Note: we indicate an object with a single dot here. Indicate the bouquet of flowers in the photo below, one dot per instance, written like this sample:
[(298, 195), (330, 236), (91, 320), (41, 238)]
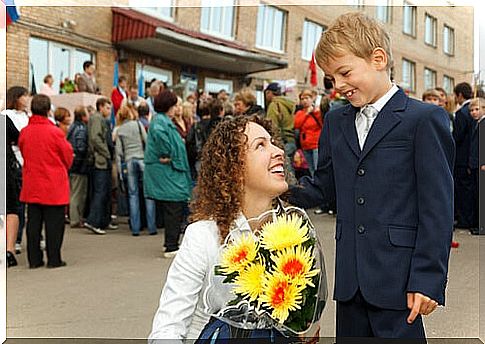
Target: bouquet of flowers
[(275, 268), (67, 86)]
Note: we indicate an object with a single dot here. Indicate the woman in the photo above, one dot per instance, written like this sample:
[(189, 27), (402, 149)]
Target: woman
[(18, 102), (240, 177), (182, 123), (63, 119), (245, 103), (308, 125), (47, 88), (130, 143), (167, 174), (45, 183)]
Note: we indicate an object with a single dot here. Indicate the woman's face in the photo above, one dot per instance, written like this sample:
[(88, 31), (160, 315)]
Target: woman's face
[(23, 102), (306, 101), (265, 164)]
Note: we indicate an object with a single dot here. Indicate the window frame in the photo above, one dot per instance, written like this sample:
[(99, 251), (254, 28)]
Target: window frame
[(413, 19), (412, 88), (388, 7), (452, 80), (51, 44), (307, 22), (229, 83), (434, 80), (446, 43), (434, 26), (284, 13), (211, 9), (138, 5)]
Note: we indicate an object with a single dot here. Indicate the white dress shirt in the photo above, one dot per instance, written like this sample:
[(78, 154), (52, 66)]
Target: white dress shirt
[(191, 292), (361, 120)]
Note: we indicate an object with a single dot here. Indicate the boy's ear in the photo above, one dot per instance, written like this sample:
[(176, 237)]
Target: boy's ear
[(379, 59)]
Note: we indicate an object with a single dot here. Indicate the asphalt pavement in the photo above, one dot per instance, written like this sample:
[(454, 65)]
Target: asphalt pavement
[(111, 286)]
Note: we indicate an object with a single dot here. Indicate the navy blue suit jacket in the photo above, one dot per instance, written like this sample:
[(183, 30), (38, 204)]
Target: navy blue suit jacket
[(394, 201), (462, 133)]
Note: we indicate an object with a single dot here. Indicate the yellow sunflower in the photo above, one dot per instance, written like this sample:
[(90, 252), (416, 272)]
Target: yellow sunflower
[(251, 281), (296, 264), (285, 231), (238, 254), (282, 296)]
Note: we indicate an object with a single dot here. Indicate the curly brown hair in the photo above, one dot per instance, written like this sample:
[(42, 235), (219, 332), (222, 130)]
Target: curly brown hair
[(219, 192)]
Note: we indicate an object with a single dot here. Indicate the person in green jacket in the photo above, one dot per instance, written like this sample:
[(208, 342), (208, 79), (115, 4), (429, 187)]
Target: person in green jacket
[(280, 111), (167, 174)]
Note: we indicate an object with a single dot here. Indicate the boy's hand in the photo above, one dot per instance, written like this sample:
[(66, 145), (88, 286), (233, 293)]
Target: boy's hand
[(420, 304)]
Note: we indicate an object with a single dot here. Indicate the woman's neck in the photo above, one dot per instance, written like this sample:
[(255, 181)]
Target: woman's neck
[(255, 206)]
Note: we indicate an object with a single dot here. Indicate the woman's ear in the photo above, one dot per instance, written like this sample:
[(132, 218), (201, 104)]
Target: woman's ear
[(379, 59)]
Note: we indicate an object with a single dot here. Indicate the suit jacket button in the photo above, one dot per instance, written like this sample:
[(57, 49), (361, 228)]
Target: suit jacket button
[(360, 229), (360, 172), (360, 200)]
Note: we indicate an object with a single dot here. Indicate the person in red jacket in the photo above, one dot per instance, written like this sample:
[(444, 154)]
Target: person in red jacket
[(47, 158), (308, 125), (119, 93)]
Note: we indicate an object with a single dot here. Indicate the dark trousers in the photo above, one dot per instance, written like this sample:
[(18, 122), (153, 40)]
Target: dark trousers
[(358, 319), (463, 197), (53, 218), (173, 213), (100, 203), (474, 198)]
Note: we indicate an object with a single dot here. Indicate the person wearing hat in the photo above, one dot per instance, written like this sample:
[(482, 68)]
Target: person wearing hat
[(280, 111)]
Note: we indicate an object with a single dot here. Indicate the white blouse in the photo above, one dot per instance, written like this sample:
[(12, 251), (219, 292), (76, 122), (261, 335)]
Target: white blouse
[(191, 292)]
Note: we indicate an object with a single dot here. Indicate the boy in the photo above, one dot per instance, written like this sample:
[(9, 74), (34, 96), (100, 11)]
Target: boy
[(391, 158), (477, 112), (431, 96)]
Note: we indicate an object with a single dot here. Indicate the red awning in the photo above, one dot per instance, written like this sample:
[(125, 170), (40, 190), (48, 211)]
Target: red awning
[(129, 24)]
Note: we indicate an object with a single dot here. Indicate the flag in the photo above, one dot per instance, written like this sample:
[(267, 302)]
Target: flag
[(115, 84), (12, 14), (33, 88), (313, 71), (141, 83)]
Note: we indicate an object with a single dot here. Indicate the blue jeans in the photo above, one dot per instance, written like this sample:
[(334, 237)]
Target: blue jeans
[(100, 203), (311, 157), (136, 167)]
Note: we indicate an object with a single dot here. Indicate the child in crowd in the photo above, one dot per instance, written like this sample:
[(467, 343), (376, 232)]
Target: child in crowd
[(431, 96)]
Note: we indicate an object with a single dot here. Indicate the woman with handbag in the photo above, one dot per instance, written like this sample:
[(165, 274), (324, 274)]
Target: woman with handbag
[(242, 174), (130, 145)]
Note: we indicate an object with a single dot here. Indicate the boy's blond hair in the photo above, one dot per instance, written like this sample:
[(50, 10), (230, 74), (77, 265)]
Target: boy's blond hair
[(355, 33), (432, 92), (476, 102)]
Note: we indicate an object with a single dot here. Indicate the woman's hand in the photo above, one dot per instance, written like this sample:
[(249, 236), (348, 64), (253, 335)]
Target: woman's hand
[(164, 160)]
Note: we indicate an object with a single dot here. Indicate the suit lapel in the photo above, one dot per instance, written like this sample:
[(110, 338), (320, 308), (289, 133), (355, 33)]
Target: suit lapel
[(386, 120), (349, 131)]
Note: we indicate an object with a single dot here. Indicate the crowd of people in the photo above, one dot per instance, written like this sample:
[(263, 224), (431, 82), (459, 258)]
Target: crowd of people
[(150, 159)]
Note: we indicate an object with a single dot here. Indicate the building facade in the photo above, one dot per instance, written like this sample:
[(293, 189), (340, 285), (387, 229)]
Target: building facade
[(213, 48)]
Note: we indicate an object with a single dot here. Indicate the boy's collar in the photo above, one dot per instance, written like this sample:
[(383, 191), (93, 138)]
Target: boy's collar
[(382, 101)]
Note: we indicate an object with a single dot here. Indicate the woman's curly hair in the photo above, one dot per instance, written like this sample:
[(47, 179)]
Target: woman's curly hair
[(219, 192)]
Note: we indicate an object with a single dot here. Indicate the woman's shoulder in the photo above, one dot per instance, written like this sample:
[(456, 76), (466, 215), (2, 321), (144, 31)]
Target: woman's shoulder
[(203, 230)]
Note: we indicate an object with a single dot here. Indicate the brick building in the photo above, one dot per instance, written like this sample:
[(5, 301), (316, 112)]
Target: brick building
[(228, 47)]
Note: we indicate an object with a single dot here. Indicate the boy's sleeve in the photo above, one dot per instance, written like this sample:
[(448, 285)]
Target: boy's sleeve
[(311, 192), (434, 159)]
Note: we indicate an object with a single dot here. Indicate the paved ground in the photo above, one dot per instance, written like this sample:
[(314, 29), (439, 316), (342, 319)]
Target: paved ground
[(111, 287)]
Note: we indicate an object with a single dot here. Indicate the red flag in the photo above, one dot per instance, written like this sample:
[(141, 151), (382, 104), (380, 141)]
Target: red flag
[(313, 71)]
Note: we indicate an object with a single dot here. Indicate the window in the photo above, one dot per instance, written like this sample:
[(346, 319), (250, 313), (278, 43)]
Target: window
[(310, 38), (60, 60), (150, 72), (356, 3), (409, 19), (215, 85), (383, 11), (448, 84), (448, 40), (165, 10), (217, 18), (408, 75), (429, 79), (430, 30), (270, 31)]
